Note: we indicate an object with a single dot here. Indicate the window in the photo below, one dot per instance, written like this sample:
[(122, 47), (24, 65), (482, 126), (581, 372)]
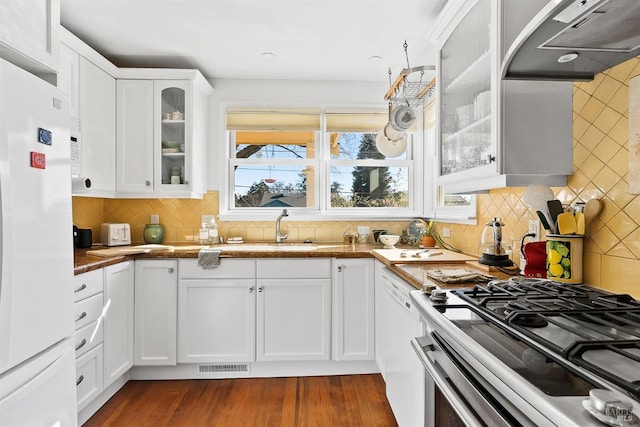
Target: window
[(273, 161), (317, 162), (359, 175)]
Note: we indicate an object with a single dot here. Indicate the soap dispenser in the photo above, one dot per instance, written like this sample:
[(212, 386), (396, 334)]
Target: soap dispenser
[(212, 232), (203, 234)]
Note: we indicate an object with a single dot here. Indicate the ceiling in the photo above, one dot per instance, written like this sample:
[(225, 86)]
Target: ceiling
[(311, 39)]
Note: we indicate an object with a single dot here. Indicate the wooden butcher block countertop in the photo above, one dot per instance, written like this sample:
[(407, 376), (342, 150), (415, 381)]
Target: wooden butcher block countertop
[(412, 269), (101, 256)]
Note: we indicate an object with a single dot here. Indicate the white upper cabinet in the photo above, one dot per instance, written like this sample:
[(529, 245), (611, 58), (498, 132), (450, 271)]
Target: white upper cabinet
[(135, 136), (68, 81), (97, 95), (88, 80), (495, 133), (162, 132), (29, 34)]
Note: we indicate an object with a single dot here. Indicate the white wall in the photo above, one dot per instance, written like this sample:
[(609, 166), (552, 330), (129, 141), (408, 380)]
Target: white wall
[(280, 93)]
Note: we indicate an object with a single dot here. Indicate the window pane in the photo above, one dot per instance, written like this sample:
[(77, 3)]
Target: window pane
[(275, 145), (356, 145), (454, 200), (274, 186), (369, 186)]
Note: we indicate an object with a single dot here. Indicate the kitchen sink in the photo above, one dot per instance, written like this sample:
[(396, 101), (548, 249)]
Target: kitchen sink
[(252, 247)]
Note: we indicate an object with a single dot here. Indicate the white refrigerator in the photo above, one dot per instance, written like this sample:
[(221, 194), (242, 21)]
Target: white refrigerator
[(37, 355)]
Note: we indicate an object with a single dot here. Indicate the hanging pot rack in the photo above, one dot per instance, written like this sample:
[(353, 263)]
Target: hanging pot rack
[(406, 91)]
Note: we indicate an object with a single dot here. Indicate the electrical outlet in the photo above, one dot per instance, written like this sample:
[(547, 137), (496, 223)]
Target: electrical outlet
[(206, 219), (363, 229), (155, 219), (534, 228), (446, 232)]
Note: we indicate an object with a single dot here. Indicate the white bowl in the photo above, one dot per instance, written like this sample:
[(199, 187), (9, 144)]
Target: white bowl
[(388, 240)]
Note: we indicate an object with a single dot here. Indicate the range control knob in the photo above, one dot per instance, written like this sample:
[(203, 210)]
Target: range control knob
[(612, 406)]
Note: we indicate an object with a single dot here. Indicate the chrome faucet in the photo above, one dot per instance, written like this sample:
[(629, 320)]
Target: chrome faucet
[(280, 237)]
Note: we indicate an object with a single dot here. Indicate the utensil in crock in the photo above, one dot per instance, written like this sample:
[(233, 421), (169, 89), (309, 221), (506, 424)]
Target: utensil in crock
[(591, 210)]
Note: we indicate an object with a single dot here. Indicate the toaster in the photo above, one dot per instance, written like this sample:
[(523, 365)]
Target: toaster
[(115, 234)]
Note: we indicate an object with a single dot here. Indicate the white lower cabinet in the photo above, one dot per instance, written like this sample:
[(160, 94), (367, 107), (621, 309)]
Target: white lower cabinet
[(254, 310), (118, 320), (156, 302), (217, 312), (89, 377), (380, 320), (353, 316), (88, 294), (217, 320), (293, 309)]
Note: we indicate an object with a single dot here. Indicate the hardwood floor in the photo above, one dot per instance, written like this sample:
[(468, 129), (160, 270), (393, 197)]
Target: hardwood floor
[(350, 400)]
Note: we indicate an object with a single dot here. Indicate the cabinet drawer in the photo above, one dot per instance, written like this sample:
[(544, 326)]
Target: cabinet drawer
[(83, 339), (87, 284), (88, 310), (89, 376), (294, 268), (229, 268)]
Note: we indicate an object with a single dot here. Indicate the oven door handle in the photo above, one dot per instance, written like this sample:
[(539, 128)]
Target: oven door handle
[(459, 404)]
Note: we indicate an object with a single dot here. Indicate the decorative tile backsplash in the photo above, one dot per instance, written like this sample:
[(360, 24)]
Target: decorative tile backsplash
[(601, 169)]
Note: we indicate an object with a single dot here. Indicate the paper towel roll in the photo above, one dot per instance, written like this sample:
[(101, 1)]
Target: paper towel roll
[(80, 185)]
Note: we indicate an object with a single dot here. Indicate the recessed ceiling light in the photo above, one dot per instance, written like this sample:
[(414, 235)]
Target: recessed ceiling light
[(375, 59), (268, 56), (567, 57)]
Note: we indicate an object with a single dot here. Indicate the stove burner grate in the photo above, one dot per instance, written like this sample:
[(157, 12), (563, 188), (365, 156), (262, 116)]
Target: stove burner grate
[(569, 320)]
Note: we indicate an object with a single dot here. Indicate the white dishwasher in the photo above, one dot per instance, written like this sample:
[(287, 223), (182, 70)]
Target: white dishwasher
[(404, 374)]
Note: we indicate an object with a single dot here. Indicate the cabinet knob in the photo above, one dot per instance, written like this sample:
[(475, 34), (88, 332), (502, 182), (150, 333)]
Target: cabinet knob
[(260, 289), (341, 268), (79, 380), (170, 269), (147, 183), (82, 316), (84, 341), (491, 158), (251, 289), (81, 288)]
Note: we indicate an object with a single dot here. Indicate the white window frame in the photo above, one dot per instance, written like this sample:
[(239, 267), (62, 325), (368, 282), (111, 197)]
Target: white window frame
[(323, 163), (232, 161), (412, 189)]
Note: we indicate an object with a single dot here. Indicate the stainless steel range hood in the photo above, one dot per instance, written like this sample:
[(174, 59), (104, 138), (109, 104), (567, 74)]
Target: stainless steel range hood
[(575, 39)]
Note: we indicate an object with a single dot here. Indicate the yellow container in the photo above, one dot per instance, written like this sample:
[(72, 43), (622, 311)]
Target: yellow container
[(564, 257)]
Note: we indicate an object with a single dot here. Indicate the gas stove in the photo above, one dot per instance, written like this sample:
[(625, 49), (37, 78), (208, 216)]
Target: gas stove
[(546, 351), (593, 329)]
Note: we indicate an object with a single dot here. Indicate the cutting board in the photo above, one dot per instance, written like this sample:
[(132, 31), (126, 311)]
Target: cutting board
[(392, 256), (128, 250)]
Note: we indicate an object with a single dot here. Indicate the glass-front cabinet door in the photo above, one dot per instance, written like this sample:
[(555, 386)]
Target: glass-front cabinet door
[(465, 94), (173, 116), (495, 133)]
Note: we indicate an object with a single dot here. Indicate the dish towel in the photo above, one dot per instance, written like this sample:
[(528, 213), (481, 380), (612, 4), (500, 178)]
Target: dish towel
[(209, 258)]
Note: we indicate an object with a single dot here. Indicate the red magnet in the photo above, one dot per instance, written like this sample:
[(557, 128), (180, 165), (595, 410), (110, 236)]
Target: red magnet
[(38, 160)]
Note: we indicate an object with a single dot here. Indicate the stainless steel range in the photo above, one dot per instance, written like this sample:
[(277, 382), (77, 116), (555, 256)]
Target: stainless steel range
[(532, 352)]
